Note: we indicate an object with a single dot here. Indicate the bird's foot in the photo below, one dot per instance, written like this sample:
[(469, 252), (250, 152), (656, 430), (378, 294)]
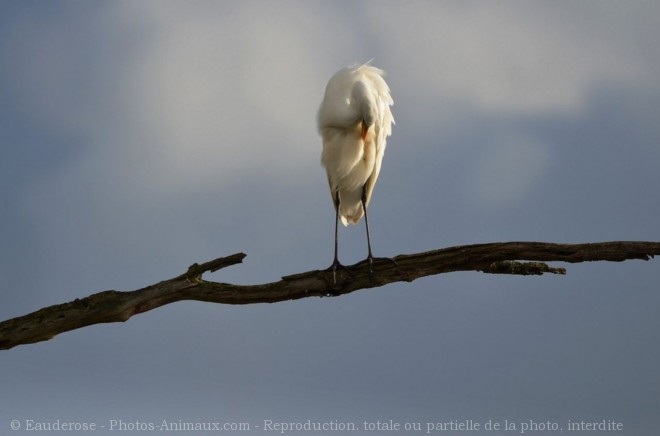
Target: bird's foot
[(333, 268), (371, 260)]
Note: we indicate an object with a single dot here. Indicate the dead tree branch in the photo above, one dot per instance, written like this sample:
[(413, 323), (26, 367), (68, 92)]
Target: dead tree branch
[(495, 258)]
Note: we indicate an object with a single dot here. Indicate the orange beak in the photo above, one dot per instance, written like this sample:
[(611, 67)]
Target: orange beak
[(365, 129)]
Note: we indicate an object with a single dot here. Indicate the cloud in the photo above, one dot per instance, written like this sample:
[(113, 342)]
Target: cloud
[(512, 56), (203, 94), (222, 97)]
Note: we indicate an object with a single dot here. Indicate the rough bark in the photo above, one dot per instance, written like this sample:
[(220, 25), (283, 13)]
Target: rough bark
[(494, 258)]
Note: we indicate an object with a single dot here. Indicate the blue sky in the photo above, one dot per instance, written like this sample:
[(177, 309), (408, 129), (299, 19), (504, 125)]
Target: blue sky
[(139, 137)]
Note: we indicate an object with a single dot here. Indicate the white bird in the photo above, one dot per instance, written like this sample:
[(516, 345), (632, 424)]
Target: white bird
[(354, 121)]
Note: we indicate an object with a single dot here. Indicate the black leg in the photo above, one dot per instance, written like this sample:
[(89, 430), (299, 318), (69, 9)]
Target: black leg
[(370, 256), (335, 262)]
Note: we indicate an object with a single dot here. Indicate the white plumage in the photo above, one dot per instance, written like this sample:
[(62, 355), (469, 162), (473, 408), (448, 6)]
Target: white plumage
[(354, 120)]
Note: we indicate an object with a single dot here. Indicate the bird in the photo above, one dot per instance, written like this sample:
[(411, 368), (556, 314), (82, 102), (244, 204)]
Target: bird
[(354, 121)]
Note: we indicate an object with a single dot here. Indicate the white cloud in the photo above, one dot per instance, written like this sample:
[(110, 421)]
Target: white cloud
[(514, 56), (204, 94), (223, 94)]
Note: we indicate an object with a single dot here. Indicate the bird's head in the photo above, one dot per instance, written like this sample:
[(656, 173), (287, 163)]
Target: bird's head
[(363, 105), (356, 99)]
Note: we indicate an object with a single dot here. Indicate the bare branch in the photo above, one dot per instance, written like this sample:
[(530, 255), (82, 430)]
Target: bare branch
[(495, 258)]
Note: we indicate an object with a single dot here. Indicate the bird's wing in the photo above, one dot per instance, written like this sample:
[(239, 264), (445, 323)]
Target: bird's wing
[(381, 101)]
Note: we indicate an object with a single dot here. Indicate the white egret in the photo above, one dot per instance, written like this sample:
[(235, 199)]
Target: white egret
[(354, 121)]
